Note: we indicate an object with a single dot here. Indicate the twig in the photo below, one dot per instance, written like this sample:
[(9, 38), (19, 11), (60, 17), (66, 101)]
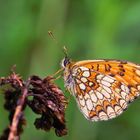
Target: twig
[(18, 113)]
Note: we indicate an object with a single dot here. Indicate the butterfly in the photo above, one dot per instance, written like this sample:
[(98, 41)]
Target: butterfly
[(103, 89)]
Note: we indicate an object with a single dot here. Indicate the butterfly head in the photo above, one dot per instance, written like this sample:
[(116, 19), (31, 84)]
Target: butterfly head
[(66, 59), (65, 62)]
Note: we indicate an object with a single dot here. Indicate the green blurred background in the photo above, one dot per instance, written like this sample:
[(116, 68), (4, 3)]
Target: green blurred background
[(91, 29)]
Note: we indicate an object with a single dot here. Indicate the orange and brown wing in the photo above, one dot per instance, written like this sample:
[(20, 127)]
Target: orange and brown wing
[(123, 71), (103, 89)]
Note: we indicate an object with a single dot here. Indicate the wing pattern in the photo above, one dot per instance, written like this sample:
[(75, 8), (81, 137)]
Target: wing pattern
[(103, 89)]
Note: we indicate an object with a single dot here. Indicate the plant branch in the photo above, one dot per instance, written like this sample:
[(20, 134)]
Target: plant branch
[(18, 113)]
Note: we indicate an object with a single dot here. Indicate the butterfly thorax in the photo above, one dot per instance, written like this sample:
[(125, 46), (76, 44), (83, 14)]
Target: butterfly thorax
[(67, 64)]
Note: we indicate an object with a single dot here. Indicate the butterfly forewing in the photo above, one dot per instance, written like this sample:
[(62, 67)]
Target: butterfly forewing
[(103, 88)]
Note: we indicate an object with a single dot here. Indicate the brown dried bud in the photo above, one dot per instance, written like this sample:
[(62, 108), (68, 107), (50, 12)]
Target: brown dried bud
[(49, 101)]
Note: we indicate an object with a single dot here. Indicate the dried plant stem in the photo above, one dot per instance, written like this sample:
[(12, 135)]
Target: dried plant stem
[(18, 113)]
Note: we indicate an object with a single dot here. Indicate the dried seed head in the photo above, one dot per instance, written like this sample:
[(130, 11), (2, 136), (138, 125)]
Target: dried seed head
[(49, 101)]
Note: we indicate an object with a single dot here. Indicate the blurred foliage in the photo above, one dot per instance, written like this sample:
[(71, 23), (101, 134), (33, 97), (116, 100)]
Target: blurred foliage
[(90, 30)]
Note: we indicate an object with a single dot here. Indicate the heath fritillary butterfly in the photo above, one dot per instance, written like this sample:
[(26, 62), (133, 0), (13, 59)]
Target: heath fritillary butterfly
[(102, 88)]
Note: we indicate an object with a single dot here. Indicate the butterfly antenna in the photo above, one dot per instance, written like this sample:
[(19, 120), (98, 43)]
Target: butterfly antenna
[(65, 51), (53, 37), (64, 48)]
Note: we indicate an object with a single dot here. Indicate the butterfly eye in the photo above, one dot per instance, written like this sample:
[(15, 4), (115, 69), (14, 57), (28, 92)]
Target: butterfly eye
[(65, 62)]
